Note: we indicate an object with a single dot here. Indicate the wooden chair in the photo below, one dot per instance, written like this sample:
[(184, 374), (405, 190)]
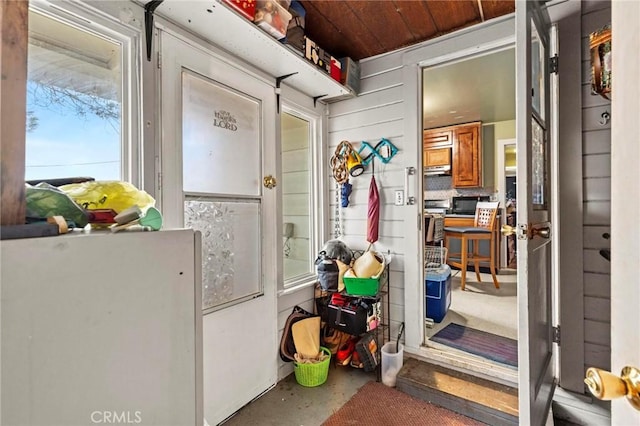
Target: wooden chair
[(483, 228)]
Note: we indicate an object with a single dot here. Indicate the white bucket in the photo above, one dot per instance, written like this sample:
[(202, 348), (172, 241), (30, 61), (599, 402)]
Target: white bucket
[(391, 362)]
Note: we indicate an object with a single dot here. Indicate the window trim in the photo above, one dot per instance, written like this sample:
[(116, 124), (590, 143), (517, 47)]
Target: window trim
[(86, 17), (316, 191)]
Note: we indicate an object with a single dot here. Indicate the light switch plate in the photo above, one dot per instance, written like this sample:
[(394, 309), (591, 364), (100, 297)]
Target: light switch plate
[(399, 198)]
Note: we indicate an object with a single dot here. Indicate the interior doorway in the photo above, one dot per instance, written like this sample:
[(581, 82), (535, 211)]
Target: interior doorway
[(478, 89), (506, 186)]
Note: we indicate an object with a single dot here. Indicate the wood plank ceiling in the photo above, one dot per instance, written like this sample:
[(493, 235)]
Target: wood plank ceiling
[(360, 28)]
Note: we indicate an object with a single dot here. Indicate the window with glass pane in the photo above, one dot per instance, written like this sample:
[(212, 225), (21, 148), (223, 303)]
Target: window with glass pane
[(297, 200), (538, 53), (74, 99)]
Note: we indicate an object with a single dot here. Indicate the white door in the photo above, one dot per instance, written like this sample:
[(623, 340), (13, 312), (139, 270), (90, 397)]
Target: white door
[(625, 186), (218, 142), (536, 380)]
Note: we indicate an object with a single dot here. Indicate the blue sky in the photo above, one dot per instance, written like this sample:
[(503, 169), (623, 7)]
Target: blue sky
[(66, 145)]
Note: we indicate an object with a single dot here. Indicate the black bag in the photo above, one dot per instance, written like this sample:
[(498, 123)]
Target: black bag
[(287, 347), (328, 272), (353, 315)]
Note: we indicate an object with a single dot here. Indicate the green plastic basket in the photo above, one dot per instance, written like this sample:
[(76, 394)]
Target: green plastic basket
[(311, 375), (361, 286)]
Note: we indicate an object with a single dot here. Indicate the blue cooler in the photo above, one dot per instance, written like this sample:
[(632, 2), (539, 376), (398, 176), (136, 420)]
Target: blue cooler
[(438, 292)]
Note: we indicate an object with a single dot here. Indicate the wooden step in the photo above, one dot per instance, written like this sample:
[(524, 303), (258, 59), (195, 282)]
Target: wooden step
[(483, 400)]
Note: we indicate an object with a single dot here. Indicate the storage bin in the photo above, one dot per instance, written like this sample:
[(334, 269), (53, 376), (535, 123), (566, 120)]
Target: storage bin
[(350, 74), (361, 286), (272, 18), (311, 375), (438, 292)]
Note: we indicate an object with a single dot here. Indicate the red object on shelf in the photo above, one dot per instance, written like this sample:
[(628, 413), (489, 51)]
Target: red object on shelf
[(246, 8), (336, 69)]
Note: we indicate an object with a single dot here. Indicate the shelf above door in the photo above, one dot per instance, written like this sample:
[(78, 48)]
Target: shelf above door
[(225, 28)]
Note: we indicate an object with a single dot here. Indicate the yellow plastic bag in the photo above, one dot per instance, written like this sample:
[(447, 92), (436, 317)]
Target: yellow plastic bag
[(114, 195)]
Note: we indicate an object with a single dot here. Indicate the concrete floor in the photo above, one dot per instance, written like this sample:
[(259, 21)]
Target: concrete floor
[(289, 404)]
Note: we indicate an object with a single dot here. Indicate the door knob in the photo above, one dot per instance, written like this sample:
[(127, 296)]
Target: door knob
[(606, 386), (508, 230), (541, 232), (269, 182)]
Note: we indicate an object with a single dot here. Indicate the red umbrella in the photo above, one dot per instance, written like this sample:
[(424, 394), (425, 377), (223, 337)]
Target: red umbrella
[(373, 213)]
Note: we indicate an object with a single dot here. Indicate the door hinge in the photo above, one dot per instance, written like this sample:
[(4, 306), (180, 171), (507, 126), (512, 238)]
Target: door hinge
[(159, 181), (159, 60), (553, 64), (556, 334)]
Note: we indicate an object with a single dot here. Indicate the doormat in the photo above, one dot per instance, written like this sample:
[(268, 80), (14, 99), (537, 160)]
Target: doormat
[(378, 405), (491, 346)]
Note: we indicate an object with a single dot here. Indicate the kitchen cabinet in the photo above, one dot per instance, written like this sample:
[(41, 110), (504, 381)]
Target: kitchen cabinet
[(436, 150), (436, 157), (457, 146), (436, 138), (466, 167), (485, 246)]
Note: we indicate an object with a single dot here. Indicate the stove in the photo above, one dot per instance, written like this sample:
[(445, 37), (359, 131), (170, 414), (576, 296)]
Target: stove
[(437, 206)]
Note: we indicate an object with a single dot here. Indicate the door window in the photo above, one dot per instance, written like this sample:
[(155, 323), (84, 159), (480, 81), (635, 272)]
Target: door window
[(221, 172)]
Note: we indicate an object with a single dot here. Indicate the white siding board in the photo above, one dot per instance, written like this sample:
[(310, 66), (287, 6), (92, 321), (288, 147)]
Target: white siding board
[(593, 239), (597, 213), (591, 118), (597, 142), (597, 189), (390, 129), (598, 356), (597, 285), (597, 166), (388, 112), (589, 99), (597, 332), (387, 228), (597, 309), (384, 63), (586, 72), (367, 102), (385, 80), (593, 262)]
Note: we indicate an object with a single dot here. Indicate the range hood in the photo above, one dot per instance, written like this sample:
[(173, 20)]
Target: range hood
[(444, 170)]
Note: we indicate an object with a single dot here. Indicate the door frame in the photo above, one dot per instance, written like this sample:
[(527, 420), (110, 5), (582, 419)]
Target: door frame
[(496, 35)]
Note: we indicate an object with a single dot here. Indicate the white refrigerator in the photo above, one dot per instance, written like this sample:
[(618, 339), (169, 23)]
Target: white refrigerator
[(101, 328)]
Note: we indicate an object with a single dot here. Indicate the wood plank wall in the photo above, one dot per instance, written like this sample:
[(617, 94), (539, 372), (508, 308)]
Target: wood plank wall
[(376, 113), (596, 153)]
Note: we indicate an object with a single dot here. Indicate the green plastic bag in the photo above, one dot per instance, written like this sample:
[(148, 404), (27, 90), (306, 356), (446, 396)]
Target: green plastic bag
[(44, 200)]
